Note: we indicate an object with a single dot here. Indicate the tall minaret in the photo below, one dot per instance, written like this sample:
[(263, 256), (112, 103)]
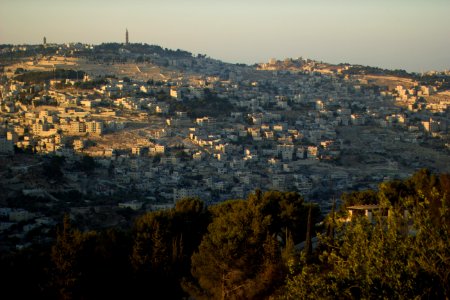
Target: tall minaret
[(45, 41), (126, 37)]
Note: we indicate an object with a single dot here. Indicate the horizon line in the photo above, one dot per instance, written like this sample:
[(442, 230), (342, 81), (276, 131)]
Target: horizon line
[(236, 63)]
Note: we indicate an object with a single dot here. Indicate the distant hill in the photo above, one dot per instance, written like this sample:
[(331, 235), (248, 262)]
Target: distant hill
[(142, 49)]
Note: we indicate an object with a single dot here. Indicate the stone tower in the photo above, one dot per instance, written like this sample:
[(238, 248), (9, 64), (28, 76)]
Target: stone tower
[(126, 37)]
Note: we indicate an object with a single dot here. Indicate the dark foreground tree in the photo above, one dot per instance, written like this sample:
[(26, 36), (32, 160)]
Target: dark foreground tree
[(163, 244), (237, 258), (90, 265), (67, 255)]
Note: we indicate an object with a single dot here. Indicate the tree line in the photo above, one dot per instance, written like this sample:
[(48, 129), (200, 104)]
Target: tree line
[(255, 248), (232, 249), (401, 254), (43, 76)]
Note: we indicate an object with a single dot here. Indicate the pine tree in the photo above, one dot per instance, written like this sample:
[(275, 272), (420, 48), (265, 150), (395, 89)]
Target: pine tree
[(68, 254), (308, 244)]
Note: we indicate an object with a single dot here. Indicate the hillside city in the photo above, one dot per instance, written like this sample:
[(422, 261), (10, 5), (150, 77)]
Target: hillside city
[(103, 132)]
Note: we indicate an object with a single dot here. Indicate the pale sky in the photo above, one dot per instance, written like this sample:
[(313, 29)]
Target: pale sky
[(407, 34)]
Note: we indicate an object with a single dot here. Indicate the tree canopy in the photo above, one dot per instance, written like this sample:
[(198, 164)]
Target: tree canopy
[(404, 255), (255, 248)]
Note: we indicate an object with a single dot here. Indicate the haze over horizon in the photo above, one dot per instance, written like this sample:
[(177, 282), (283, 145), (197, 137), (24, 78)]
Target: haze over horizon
[(411, 35)]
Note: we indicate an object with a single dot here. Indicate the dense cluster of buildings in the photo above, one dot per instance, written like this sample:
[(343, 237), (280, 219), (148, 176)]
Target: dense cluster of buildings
[(285, 130)]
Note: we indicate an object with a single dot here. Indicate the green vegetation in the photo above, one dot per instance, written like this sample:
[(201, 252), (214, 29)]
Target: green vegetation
[(85, 164), (244, 249), (88, 85), (163, 243), (368, 70), (209, 105), (405, 255), (52, 168), (240, 257), (7, 54), (142, 49), (57, 74), (441, 81)]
